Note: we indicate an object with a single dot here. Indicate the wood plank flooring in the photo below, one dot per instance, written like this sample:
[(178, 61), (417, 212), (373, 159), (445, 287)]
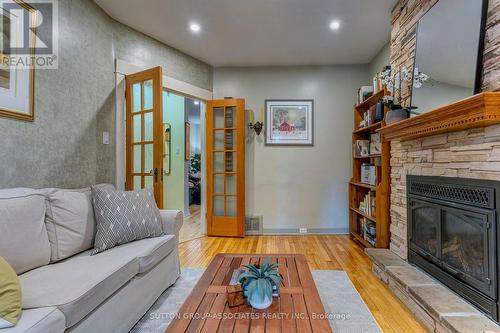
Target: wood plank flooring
[(191, 226), (337, 252)]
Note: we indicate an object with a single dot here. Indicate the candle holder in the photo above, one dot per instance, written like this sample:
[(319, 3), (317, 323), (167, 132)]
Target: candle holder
[(257, 127)]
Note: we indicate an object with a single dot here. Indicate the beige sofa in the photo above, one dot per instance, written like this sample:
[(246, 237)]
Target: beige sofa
[(47, 236)]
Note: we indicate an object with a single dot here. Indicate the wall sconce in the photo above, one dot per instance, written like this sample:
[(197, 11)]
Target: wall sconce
[(259, 125)]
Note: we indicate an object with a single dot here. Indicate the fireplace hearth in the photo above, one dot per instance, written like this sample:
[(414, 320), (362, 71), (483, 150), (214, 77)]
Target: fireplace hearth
[(452, 235)]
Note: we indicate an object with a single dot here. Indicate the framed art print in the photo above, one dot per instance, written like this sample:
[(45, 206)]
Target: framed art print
[(289, 122), (16, 78)]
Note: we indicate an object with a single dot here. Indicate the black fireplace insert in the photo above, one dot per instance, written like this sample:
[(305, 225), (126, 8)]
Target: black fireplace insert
[(452, 235)]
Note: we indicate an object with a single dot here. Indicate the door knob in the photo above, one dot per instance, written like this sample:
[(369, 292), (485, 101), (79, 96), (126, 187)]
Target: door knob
[(154, 173)]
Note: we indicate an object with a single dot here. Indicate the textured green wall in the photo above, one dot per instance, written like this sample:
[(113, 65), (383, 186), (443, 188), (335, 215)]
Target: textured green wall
[(76, 103), (173, 184)]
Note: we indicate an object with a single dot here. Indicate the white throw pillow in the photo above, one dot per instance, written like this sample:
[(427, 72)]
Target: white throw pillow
[(24, 243), (70, 221)]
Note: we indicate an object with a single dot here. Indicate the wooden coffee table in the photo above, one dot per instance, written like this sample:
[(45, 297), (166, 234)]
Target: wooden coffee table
[(298, 309)]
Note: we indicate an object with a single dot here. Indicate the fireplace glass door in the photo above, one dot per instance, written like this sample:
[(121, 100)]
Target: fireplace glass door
[(460, 240), (467, 244), (426, 229)]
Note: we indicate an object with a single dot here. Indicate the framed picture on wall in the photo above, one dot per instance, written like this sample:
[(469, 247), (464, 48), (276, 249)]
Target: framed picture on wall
[(16, 76), (187, 141), (289, 122)]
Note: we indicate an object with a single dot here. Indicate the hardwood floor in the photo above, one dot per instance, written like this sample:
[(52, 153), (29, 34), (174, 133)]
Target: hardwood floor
[(191, 227), (337, 252)]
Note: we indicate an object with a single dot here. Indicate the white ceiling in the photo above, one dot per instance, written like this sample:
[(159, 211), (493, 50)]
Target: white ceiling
[(262, 32)]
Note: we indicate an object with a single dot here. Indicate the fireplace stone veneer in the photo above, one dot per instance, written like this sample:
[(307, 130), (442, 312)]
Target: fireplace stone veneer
[(472, 153)]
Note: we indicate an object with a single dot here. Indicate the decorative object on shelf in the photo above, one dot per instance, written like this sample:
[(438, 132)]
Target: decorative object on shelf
[(17, 70), (379, 112), (261, 283), (397, 112), (396, 115), (381, 79), (289, 123), (187, 140), (259, 125)]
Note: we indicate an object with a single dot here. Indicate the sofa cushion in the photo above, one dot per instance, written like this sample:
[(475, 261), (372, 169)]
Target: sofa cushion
[(78, 285), (124, 216), (48, 319), (151, 251), (70, 222), (24, 243)]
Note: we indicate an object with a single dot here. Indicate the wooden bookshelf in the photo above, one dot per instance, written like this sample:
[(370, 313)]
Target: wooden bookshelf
[(358, 190)]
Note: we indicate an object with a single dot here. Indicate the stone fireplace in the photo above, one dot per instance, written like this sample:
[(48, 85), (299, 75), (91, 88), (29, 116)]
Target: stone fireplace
[(443, 260), (471, 153)]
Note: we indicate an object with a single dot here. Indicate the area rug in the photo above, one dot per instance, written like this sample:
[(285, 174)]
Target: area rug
[(348, 312)]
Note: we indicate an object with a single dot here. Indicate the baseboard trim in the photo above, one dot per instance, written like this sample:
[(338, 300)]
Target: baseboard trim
[(311, 231)]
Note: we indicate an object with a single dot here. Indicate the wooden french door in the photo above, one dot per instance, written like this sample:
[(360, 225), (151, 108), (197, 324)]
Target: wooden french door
[(225, 160), (144, 132)]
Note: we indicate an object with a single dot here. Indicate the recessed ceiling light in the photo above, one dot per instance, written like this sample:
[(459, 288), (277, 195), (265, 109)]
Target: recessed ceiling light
[(196, 103), (194, 27), (335, 25)]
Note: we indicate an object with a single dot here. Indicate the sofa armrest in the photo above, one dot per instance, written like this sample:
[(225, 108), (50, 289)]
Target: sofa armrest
[(172, 221)]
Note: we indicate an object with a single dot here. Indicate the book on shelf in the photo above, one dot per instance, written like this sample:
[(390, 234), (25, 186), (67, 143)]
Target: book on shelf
[(368, 204), (368, 230), (375, 144), (362, 148), (364, 93), (368, 118), (369, 174)]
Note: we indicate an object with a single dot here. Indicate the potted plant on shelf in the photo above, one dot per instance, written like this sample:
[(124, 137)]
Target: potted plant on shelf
[(259, 283)]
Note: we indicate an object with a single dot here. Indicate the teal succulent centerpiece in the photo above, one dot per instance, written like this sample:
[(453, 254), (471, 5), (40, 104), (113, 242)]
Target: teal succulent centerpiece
[(259, 283)]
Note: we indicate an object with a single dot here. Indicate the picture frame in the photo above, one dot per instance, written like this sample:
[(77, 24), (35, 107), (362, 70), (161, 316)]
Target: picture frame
[(187, 142), (17, 85), (289, 122)]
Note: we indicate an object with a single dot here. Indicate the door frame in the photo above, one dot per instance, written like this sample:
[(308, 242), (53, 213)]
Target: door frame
[(123, 68)]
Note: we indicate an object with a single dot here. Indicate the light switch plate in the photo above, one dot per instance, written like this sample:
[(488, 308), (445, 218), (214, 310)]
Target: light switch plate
[(105, 138)]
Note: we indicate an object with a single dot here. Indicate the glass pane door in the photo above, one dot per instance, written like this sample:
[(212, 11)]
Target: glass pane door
[(142, 134), (144, 146), (225, 158)]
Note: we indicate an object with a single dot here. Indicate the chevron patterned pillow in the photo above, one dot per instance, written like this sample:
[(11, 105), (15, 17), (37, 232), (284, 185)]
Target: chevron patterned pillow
[(123, 217)]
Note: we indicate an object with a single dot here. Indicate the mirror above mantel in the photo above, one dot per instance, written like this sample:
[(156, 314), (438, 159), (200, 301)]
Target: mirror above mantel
[(448, 56)]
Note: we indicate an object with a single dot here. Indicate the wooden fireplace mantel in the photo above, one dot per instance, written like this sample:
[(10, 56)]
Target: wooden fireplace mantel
[(476, 111)]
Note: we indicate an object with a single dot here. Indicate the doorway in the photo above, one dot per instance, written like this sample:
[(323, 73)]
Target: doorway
[(182, 188), (124, 156)]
